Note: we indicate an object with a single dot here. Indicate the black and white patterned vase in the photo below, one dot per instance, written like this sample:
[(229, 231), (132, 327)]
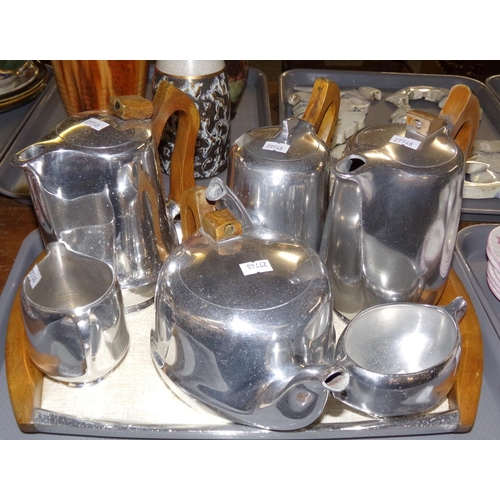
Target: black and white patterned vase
[(207, 83)]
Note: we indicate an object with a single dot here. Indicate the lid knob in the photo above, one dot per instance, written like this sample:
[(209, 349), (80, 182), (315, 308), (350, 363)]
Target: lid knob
[(423, 123), (221, 224)]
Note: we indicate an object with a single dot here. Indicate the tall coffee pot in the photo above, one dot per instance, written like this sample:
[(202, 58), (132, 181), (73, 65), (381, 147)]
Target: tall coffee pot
[(96, 184), (392, 222)]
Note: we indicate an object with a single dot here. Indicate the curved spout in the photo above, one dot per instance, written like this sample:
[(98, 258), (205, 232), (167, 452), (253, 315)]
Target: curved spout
[(28, 157), (347, 165), (313, 377), (300, 400)]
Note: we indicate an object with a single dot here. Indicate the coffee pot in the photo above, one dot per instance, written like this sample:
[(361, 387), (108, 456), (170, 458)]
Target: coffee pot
[(392, 222), (96, 184), (281, 173)]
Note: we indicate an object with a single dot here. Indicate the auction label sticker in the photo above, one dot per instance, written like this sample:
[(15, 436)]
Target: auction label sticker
[(258, 266), (96, 124), (276, 146), (404, 141), (34, 276)]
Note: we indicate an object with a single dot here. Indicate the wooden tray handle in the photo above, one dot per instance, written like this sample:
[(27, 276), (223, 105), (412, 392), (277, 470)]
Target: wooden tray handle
[(466, 390), (24, 379)]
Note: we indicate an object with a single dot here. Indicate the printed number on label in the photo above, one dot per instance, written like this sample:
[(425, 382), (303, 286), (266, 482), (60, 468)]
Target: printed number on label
[(34, 276), (96, 124), (404, 141), (276, 146), (258, 266)]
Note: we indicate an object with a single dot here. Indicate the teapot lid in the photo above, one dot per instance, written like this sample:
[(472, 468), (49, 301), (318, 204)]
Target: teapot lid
[(294, 141), (422, 142), (99, 129), (256, 270)]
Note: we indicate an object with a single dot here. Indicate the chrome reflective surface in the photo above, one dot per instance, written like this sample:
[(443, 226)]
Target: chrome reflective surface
[(413, 425), (101, 191), (255, 347), (398, 359), (393, 219), (284, 191), (73, 317)]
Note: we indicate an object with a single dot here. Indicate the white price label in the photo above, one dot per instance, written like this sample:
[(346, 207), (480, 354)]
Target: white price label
[(404, 141), (96, 124), (276, 146), (258, 266), (485, 146), (34, 277)]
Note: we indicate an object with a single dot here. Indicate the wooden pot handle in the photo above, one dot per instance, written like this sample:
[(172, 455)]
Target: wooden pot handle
[(323, 108), (193, 207), (197, 212), (462, 113), (167, 101)]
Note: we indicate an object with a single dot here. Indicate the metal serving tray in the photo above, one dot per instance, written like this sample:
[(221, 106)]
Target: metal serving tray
[(441, 423), (479, 210), (254, 111)]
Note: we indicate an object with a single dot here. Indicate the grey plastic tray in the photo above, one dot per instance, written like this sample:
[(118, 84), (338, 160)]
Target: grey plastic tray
[(479, 210), (12, 125), (471, 250), (254, 111), (493, 83)]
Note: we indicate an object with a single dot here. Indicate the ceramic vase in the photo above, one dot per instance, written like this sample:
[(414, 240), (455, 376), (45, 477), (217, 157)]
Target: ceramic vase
[(207, 84)]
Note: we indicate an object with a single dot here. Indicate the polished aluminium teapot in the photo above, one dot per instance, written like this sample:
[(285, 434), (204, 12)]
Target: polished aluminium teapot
[(244, 321), (393, 218), (281, 174), (96, 184)]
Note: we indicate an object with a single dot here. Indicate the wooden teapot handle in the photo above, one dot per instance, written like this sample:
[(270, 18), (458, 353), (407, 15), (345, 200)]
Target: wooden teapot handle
[(193, 206), (197, 212), (462, 113), (167, 100), (323, 108)]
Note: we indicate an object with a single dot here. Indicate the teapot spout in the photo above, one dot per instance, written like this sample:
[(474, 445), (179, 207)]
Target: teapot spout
[(303, 398), (29, 157)]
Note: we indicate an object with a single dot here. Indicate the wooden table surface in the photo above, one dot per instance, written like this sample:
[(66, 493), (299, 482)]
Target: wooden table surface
[(16, 222)]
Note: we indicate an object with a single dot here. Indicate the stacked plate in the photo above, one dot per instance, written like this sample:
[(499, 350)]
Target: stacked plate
[(493, 261), (20, 81)]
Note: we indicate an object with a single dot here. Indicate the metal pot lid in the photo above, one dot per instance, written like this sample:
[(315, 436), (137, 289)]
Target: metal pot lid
[(99, 130), (259, 269), (393, 142), (294, 141)]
